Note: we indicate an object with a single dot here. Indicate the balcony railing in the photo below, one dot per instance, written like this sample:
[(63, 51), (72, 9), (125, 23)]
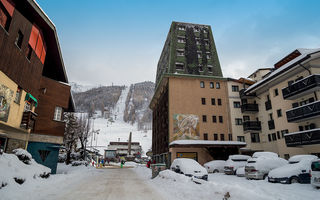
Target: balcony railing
[(251, 125), (303, 113), (268, 105), (243, 95), (28, 120), (302, 87), (307, 137), (271, 124), (249, 108)]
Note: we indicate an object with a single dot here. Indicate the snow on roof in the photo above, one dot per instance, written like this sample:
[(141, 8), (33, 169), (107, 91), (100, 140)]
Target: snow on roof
[(294, 133), (304, 53), (205, 142)]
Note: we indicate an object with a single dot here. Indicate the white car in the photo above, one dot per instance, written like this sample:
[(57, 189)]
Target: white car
[(234, 162), (265, 154), (240, 172), (189, 167), (259, 167), (315, 173), (215, 166), (297, 171)]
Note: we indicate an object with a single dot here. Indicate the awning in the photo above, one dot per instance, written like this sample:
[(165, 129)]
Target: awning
[(29, 97)]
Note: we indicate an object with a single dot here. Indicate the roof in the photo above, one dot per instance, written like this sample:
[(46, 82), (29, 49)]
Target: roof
[(305, 54), (207, 143)]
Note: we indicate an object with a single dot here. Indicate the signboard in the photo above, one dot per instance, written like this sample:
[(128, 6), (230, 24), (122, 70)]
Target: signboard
[(192, 155), (185, 126)]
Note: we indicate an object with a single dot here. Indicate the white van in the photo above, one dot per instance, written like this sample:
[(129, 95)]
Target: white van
[(315, 173)]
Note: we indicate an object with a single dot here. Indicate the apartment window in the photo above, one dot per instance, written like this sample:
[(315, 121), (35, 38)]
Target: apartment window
[(205, 136), (180, 52), (209, 68), (276, 92), (198, 41), (200, 68), (206, 42), (270, 116), (222, 137), (196, 29), (5, 18), (208, 55), (29, 52), (201, 84), (19, 39), (211, 85), (181, 40), (284, 132), (219, 102), (203, 101), (246, 118), (255, 137), (199, 54), (213, 101), (236, 104), (240, 139), (278, 135), (18, 95), (238, 121), (204, 118), (230, 137), (215, 136), (179, 66), (274, 137), (269, 137), (181, 28), (214, 119), (217, 85), (220, 119), (235, 88), (57, 114), (279, 113)]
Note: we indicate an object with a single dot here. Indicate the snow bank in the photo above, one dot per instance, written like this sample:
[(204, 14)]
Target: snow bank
[(171, 175)]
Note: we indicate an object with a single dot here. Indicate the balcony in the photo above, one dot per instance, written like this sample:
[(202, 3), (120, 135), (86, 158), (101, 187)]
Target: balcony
[(302, 87), (28, 120), (268, 105), (249, 108), (307, 137), (271, 124), (303, 113), (243, 95), (251, 126)]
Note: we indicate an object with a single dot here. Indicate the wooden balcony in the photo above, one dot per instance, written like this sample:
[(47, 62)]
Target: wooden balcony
[(28, 120), (303, 113), (307, 137)]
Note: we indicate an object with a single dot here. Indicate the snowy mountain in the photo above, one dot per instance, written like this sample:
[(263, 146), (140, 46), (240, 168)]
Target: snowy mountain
[(76, 88)]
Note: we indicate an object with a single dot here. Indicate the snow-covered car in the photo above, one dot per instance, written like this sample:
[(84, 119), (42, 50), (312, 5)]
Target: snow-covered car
[(259, 165), (234, 162), (297, 171), (215, 166), (189, 167), (240, 172), (315, 173)]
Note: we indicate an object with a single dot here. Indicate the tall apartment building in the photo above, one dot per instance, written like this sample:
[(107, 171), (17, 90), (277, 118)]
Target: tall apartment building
[(281, 111), (34, 90), (190, 104)]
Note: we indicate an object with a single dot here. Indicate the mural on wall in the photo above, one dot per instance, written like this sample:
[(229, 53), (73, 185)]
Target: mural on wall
[(5, 99), (185, 126)]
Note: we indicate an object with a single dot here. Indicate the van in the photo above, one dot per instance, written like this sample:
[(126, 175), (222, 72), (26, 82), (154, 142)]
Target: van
[(315, 173)]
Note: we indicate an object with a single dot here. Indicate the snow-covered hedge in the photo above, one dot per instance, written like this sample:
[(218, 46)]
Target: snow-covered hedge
[(79, 162)]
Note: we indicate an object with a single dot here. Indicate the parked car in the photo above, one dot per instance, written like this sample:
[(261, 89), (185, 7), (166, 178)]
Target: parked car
[(215, 166), (189, 167), (261, 163), (240, 172), (297, 171), (234, 162), (315, 173)]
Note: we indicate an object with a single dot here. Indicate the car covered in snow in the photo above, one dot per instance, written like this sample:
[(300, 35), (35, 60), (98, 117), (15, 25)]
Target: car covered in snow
[(315, 173), (297, 171), (215, 166), (261, 163), (234, 162), (189, 167), (240, 172)]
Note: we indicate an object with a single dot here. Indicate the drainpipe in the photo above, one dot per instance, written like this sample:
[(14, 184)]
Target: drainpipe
[(315, 94)]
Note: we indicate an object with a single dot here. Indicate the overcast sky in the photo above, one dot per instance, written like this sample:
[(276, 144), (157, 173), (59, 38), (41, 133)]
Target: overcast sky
[(120, 42)]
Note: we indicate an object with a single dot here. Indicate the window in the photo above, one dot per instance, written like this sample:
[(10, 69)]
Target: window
[(246, 118), (37, 43), (213, 101), (179, 66), (236, 104), (27, 106), (235, 88), (284, 132), (199, 54), (238, 121), (206, 42), (181, 39), (215, 136), (222, 137), (269, 137), (240, 138), (278, 135), (274, 137), (270, 116), (209, 68), (18, 95), (181, 28), (198, 41), (57, 114), (276, 92), (196, 29), (211, 85), (201, 84), (214, 119), (5, 16), (19, 39), (29, 52), (217, 85), (203, 101), (205, 136), (230, 136), (208, 55), (200, 68), (180, 52), (255, 138), (279, 113), (204, 118), (220, 119), (219, 102)]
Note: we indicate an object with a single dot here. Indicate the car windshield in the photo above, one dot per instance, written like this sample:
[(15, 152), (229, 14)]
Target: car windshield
[(293, 162), (251, 161), (315, 166)]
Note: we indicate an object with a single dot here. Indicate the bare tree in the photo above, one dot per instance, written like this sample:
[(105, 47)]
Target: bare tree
[(70, 135), (83, 131)]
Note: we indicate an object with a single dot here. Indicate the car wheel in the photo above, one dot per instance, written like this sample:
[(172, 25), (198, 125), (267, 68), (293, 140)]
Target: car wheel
[(215, 171), (294, 180)]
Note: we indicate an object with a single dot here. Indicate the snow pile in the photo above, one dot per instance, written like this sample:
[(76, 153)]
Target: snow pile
[(14, 171), (171, 175)]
